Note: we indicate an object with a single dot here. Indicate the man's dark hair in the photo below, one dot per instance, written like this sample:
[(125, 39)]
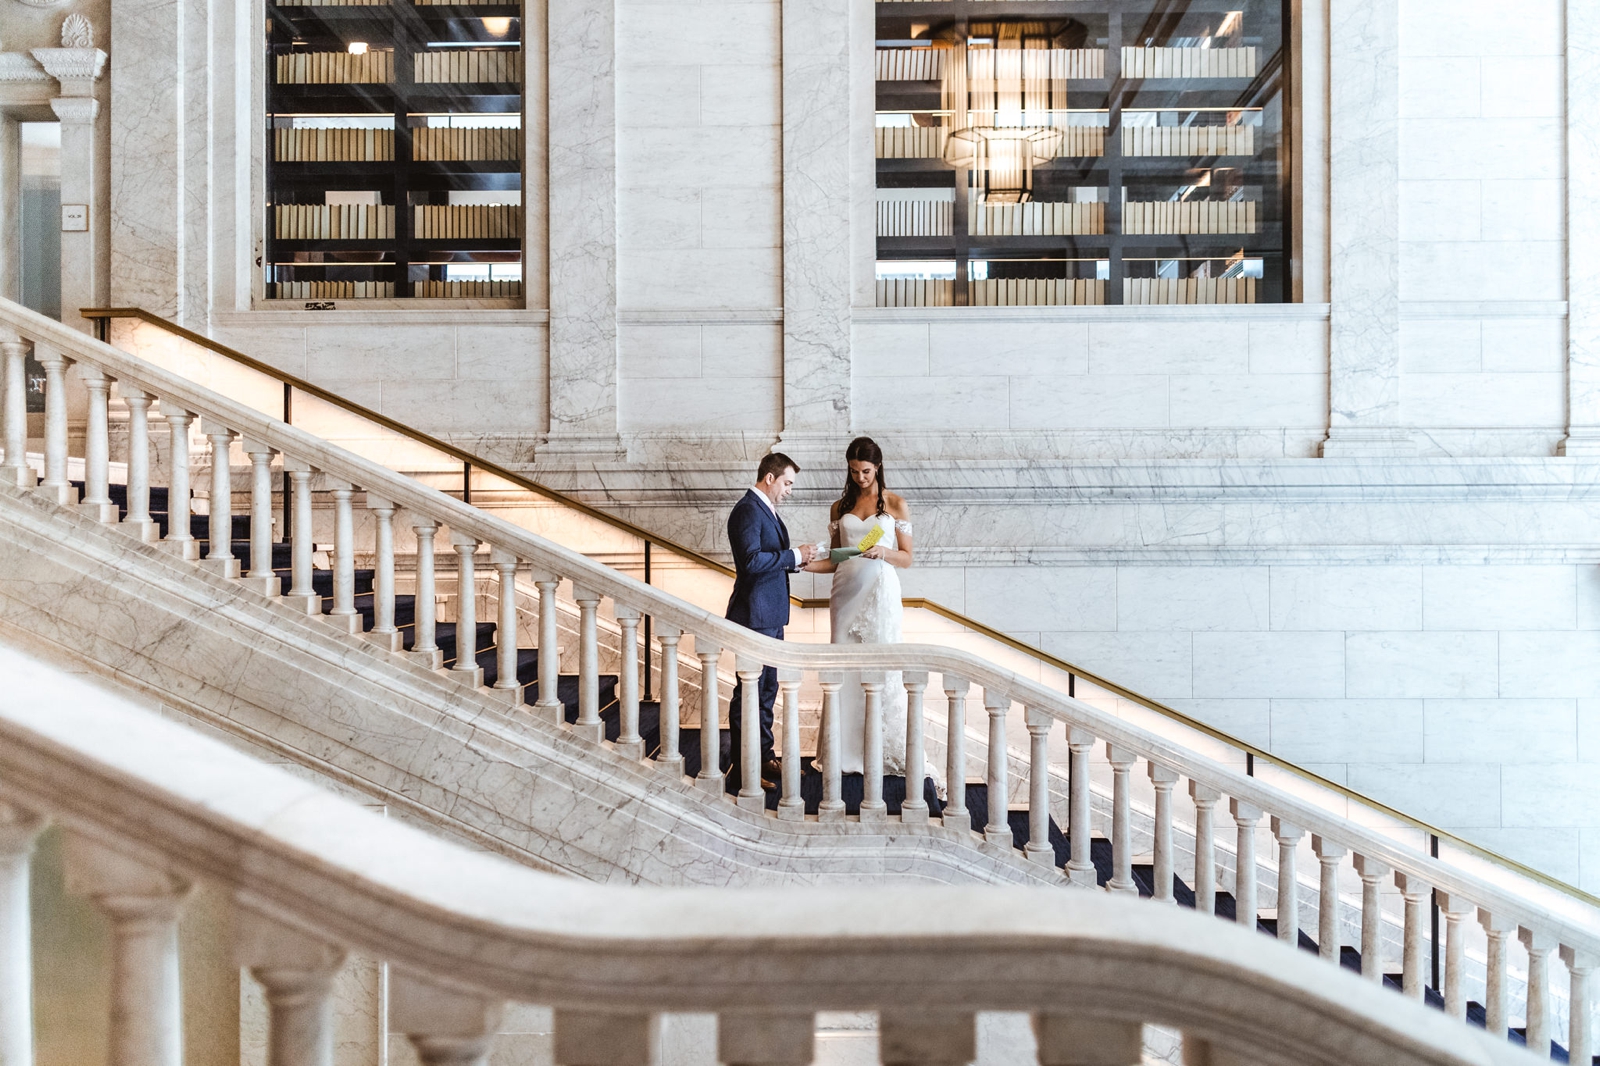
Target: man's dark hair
[(775, 463)]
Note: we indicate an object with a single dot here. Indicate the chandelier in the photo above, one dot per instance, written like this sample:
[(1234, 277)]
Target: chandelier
[(998, 99)]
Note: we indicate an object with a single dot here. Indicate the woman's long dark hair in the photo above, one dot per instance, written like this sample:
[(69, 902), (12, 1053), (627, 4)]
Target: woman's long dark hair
[(861, 450)]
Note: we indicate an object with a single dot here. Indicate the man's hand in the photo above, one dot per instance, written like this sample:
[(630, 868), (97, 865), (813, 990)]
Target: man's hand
[(807, 553)]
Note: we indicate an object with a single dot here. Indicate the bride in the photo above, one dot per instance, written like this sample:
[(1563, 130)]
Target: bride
[(864, 605)]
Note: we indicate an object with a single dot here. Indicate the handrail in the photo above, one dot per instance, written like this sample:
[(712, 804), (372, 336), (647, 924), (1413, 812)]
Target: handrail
[(314, 867), (1486, 854)]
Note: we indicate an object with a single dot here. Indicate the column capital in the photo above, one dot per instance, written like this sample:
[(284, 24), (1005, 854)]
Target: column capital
[(1286, 832), (1328, 849), (18, 829), (1245, 813), (1410, 885), (1161, 776), (262, 942), (1370, 869), (75, 68), (75, 110), (431, 1014), (125, 887)]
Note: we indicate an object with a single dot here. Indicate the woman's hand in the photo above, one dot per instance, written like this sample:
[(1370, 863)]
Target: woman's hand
[(877, 551)]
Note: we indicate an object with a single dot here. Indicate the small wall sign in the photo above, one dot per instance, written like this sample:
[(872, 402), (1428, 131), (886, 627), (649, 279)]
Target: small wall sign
[(74, 218)]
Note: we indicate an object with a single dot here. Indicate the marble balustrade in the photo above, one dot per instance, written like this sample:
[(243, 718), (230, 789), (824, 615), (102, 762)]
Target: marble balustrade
[(1549, 925)]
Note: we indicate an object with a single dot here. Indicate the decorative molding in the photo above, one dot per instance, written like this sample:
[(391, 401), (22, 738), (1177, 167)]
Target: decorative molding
[(638, 316), (1436, 309), (1102, 313), (42, 4), (77, 32), (19, 66), (71, 64), (75, 109)]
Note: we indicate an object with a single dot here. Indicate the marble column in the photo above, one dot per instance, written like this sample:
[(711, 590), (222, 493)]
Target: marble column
[(18, 830), (582, 138), (1583, 229), (82, 269), (447, 1027), (297, 973), (1364, 417), (148, 155)]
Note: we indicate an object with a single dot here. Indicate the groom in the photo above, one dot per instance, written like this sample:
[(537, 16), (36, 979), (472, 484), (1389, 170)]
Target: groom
[(760, 600)]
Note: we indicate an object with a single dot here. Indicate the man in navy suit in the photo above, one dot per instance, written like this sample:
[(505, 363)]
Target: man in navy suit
[(760, 601)]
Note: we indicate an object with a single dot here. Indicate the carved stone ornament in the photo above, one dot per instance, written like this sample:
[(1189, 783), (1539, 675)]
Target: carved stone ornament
[(41, 3), (71, 64), (18, 66), (77, 32)]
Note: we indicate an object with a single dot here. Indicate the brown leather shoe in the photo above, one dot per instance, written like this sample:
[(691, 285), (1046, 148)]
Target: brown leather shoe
[(771, 774)]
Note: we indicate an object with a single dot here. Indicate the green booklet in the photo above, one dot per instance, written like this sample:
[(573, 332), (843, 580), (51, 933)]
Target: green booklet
[(839, 555)]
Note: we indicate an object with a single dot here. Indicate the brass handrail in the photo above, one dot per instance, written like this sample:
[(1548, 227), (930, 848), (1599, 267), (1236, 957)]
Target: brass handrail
[(107, 313)]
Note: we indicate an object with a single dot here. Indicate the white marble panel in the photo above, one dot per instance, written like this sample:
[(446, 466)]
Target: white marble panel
[(1524, 86), (283, 348), (1525, 345), (1523, 209), (1480, 27), (1441, 346), (1553, 794), (500, 353), (752, 404), (734, 278), (656, 95), (1169, 347), (1528, 148), (941, 584), (1053, 599), (743, 350), (1262, 665), (1249, 720), (1346, 597), (1159, 665), (1097, 401), (1296, 347), (699, 33), (1192, 598), (660, 350), (1499, 597), (1016, 349), (1248, 400), (450, 405), (741, 95), (1449, 795), (1589, 730), (1589, 859), (699, 157), (1341, 730), (148, 190), (1556, 852), (658, 217), (917, 403), (1471, 270), (1501, 731), (363, 352), (1445, 210), (1411, 665), (1439, 87), (1552, 664), (890, 350), (1485, 400), (742, 217), (1582, 203)]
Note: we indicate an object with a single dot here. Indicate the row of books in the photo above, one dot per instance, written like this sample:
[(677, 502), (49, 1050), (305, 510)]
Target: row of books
[(334, 222), (332, 145), (333, 3), (440, 222), (915, 218), (467, 65), (1034, 219), (445, 143), (1012, 65), (1189, 62), (466, 289), (915, 292), (910, 64), (335, 290), (1189, 216), (335, 68), (1188, 140), (1189, 290), (1035, 292), (909, 142)]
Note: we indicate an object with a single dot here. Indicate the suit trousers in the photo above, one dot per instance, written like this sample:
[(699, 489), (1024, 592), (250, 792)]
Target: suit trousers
[(766, 696)]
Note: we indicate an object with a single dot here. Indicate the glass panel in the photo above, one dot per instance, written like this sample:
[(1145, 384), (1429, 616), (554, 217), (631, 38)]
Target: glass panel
[(1081, 151)]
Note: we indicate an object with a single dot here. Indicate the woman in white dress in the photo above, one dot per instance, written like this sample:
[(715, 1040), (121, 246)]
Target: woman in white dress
[(864, 605)]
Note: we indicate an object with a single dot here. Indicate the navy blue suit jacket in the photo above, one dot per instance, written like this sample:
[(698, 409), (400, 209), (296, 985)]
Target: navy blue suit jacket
[(762, 558)]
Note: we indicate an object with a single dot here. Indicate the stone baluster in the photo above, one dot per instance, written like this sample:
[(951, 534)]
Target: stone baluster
[(1122, 761), (1164, 871), (16, 470), (831, 809), (179, 539), (301, 593), (710, 775), (1329, 856), (55, 487), (425, 641), (261, 578), (1205, 846), (1496, 1000), (143, 904), (18, 831), (1372, 873), (926, 1037), (384, 631), (1072, 1040), (1245, 817), (629, 743), (670, 761), (588, 724), (915, 807), (549, 705), (955, 807), (466, 667), (1580, 1023), (446, 1027), (792, 806), (748, 670), (138, 520), (998, 832), (1540, 946), (873, 807), (1456, 912), (219, 547), (1416, 894), (1080, 868), (296, 972), (607, 1038), (344, 613), (765, 1038), (1038, 848), (506, 679), (97, 446), (1288, 836)]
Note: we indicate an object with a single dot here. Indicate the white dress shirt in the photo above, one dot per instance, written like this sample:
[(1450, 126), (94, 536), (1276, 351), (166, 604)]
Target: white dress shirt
[(764, 498)]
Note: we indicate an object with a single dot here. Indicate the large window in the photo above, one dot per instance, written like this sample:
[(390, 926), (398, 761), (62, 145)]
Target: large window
[(394, 151), (1081, 152)]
